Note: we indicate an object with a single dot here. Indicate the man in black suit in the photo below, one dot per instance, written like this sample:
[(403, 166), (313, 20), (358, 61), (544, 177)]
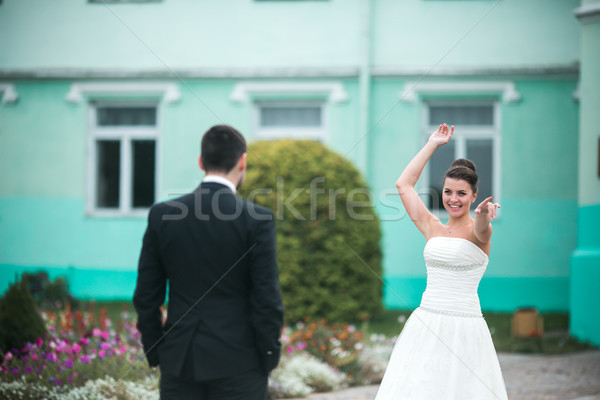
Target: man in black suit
[(218, 254)]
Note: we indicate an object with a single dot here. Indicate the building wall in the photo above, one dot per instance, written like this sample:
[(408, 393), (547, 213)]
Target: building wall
[(585, 261), (206, 48)]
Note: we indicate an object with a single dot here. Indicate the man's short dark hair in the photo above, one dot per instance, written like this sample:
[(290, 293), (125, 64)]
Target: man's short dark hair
[(221, 148)]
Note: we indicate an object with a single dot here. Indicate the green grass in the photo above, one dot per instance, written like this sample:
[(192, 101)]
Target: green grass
[(556, 337)]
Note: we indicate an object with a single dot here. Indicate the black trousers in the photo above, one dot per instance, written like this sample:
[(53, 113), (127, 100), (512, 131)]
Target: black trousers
[(251, 385)]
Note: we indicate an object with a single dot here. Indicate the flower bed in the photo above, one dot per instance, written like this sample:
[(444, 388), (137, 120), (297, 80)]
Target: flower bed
[(85, 357)]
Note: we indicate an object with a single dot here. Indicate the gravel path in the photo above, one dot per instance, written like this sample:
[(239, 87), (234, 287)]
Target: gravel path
[(528, 377)]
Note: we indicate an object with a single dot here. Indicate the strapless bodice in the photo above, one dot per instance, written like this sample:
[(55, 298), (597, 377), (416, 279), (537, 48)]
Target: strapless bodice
[(454, 268)]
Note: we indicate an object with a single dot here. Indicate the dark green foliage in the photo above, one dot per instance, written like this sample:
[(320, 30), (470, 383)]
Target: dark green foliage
[(328, 234), (50, 294), (20, 321)]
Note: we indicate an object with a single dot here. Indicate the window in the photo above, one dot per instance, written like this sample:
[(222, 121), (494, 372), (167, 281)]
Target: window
[(122, 141), (295, 120), (476, 137)]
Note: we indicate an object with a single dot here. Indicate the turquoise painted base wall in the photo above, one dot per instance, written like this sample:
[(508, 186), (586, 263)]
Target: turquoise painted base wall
[(585, 278), (84, 284), (495, 293)]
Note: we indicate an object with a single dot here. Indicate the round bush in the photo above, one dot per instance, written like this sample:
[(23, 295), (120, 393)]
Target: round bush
[(20, 321), (327, 231)]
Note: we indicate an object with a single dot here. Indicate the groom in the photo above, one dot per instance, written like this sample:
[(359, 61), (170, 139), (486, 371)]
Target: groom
[(218, 254)]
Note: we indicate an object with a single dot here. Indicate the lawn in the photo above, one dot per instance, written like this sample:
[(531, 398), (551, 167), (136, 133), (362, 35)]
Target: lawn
[(556, 337)]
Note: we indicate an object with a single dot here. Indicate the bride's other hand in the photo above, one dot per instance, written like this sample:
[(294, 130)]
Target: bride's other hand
[(442, 135), (487, 207)]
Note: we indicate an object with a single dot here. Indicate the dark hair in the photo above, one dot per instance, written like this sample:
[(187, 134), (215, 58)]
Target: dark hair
[(221, 148), (463, 170)]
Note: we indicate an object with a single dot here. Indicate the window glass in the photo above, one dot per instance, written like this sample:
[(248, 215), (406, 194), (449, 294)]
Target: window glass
[(461, 114), (126, 116), (480, 151), (290, 116), (439, 164), (143, 172), (108, 173)]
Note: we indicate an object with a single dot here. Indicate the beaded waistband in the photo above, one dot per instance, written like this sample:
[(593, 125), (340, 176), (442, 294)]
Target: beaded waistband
[(450, 313)]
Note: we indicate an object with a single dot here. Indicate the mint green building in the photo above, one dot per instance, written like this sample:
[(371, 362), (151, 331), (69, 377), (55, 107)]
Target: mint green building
[(103, 104)]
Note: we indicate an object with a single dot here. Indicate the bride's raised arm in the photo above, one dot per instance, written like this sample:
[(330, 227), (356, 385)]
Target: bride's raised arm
[(416, 209)]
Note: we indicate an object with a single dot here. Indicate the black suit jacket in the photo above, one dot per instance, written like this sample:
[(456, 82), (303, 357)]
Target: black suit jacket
[(218, 254)]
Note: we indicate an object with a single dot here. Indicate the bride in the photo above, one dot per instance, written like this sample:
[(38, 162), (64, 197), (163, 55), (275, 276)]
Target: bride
[(445, 350)]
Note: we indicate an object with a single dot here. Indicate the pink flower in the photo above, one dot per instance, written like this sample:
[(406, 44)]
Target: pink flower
[(289, 349), (8, 356), (76, 348), (105, 335), (102, 353), (301, 346), (97, 332), (122, 350), (105, 346), (84, 341), (39, 342)]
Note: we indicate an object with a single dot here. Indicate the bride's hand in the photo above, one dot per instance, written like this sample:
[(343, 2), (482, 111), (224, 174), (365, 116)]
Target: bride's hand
[(487, 207), (442, 135)]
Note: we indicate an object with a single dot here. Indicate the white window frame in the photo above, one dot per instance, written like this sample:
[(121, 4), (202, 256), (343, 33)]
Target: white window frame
[(461, 135), (125, 134), (271, 133)]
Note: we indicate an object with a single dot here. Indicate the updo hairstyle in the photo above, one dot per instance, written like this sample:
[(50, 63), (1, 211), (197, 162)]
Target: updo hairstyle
[(463, 170)]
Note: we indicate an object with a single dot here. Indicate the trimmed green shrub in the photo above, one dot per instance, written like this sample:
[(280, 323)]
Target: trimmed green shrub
[(50, 294), (327, 231), (20, 321)]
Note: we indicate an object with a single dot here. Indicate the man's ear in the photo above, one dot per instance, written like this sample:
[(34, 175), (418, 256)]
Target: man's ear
[(200, 163), (243, 162)]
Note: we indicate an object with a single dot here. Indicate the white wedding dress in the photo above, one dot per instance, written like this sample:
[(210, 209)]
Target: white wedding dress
[(445, 351)]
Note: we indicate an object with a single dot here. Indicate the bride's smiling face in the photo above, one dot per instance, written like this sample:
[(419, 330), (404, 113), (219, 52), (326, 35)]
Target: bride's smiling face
[(457, 196)]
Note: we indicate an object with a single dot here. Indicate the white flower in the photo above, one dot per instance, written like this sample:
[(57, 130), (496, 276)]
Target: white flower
[(301, 374)]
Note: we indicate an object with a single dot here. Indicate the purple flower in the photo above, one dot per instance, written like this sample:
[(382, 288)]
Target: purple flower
[(15, 371), (28, 369), (301, 346), (86, 359), (68, 363), (58, 382)]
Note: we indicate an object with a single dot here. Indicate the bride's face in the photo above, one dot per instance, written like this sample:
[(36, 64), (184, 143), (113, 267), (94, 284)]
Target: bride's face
[(457, 197)]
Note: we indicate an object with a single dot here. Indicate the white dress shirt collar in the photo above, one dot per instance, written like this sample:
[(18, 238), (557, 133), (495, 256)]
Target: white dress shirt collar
[(221, 180)]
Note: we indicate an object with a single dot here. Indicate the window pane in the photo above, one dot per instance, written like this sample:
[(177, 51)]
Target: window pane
[(126, 116), (480, 151), (108, 157), (143, 172), (438, 165), (461, 115), (290, 116)]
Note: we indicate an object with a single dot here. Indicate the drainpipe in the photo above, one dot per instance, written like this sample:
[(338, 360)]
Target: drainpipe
[(364, 82)]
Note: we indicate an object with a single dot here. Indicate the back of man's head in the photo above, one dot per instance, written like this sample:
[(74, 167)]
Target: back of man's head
[(221, 148)]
